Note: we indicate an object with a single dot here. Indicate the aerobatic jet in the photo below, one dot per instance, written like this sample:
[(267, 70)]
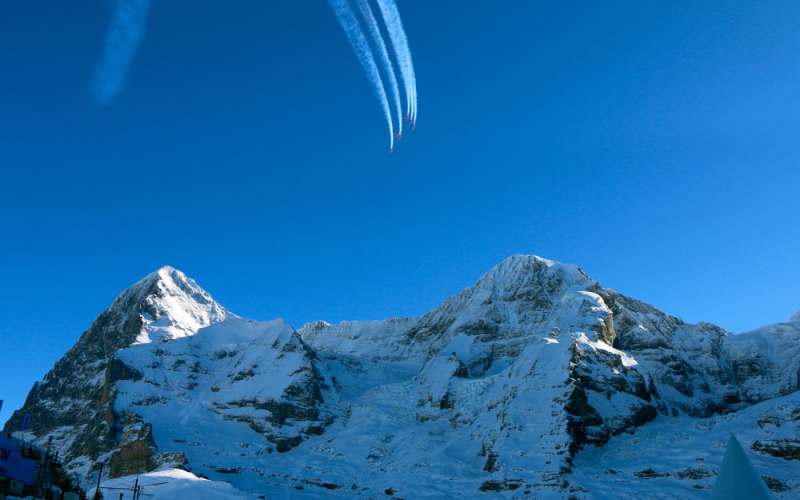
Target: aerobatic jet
[(399, 136)]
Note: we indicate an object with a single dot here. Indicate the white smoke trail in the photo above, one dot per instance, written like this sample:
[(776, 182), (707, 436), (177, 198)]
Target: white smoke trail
[(122, 39), (347, 19), (394, 25), (375, 31)]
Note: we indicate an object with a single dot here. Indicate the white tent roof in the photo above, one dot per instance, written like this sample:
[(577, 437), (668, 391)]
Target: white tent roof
[(737, 479)]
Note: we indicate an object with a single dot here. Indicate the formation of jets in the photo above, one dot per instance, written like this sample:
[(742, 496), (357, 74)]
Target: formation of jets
[(400, 135)]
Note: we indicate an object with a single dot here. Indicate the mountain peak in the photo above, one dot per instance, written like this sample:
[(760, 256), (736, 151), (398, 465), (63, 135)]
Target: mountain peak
[(175, 306), (168, 270), (517, 267), (165, 273), (166, 304), (795, 318)]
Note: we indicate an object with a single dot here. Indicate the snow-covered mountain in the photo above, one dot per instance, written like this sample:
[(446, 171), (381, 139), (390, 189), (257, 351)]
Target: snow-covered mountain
[(534, 383)]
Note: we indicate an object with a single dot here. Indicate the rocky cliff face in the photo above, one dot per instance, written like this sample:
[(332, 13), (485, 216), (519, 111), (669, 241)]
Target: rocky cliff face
[(765, 362), (500, 388), (685, 365)]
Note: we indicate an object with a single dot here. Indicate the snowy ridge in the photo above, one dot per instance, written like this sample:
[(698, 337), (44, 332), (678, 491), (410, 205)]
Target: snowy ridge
[(498, 305), (504, 389)]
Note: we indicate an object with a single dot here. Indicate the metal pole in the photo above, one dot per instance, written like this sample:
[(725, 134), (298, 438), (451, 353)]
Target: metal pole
[(40, 468), (97, 491), (136, 488)]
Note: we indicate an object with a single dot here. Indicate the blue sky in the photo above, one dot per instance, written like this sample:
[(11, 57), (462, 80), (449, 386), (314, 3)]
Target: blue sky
[(655, 145)]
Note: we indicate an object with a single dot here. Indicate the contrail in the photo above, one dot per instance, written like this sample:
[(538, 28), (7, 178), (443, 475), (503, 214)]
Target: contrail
[(347, 19), (375, 31), (122, 39), (394, 25)]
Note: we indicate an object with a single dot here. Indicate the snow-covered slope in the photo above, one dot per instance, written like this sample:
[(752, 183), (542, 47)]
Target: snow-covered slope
[(504, 389), (171, 484), (258, 386), (680, 457)]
